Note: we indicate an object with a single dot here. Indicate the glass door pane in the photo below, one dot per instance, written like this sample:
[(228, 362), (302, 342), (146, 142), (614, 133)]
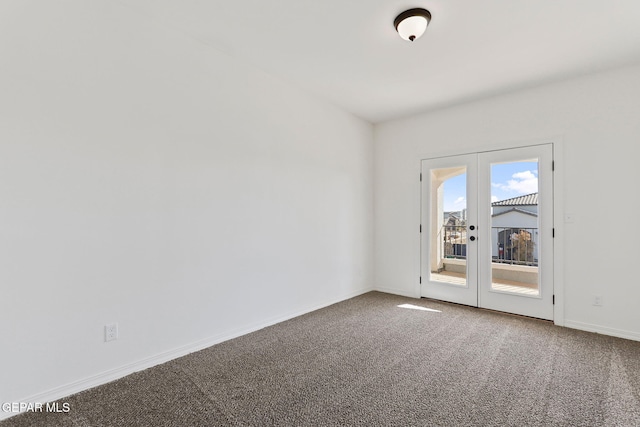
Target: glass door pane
[(448, 260), (514, 227)]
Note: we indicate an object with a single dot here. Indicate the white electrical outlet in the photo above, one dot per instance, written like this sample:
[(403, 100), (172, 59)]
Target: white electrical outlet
[(111, 332), (597, 300)]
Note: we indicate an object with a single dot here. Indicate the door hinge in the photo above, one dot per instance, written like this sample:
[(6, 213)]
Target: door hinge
[(420, 279), (421, 228), (553, 232), (553, 300), (420, 176), (553, 165)]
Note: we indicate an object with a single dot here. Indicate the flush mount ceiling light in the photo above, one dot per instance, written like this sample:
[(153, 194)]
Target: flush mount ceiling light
[(412, 23)]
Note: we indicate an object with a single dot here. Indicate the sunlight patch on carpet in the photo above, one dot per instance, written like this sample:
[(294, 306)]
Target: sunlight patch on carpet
[(417, 307)]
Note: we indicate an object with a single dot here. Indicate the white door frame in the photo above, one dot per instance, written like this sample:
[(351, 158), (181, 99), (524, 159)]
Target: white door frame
[(557, 216)]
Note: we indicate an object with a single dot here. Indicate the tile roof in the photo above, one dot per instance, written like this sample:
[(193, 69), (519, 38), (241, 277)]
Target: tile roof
[(526, 200)]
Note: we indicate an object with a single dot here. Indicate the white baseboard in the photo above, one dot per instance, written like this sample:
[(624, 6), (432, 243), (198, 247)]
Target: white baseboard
[(394, 291), (620, 333), (122, 371)]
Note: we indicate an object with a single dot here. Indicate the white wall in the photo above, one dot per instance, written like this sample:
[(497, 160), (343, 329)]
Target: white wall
[(596, 118), (147, 179)]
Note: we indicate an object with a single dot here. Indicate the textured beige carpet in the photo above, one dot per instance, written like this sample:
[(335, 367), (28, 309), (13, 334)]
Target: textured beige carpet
[(369, 362)]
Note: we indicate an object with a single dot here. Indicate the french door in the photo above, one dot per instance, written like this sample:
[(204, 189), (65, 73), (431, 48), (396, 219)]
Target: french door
[(487, 230)]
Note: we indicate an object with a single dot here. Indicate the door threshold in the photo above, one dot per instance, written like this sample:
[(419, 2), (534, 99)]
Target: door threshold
[(490, 310)]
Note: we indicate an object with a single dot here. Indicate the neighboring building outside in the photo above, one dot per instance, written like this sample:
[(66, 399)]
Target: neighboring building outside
[(511, 219)]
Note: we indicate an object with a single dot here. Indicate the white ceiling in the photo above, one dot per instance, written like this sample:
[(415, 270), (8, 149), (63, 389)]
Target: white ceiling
[(348, 52)]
